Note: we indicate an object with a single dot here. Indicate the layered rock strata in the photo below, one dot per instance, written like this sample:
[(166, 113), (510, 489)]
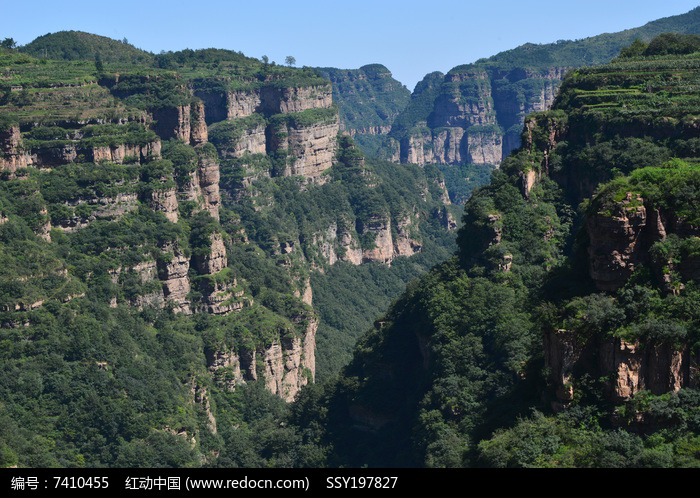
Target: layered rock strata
[(620, 240), (287, 364), (268, 100), (477, 115), (629, 367)]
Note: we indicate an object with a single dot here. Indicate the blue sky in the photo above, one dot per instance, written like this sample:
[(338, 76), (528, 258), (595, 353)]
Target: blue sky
[(412, 38)]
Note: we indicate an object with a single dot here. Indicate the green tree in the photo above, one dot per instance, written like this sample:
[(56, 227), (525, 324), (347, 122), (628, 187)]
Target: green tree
[(8, 43), (636, 49), (290, 61)]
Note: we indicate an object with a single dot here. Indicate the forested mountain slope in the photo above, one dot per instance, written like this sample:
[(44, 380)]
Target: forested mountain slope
[(558, 335), (369, 99), (187, 245), (160, 225)]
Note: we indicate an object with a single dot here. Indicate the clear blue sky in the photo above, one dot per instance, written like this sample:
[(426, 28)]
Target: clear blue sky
[(410, 37)]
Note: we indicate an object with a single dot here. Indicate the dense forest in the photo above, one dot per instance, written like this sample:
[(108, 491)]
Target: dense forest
[(200, 269)]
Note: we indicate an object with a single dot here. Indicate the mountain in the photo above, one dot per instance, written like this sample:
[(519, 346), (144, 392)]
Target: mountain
[(162, 225), (477, 111), (556, 336), (191, 247), (78, 45), (473, 115)]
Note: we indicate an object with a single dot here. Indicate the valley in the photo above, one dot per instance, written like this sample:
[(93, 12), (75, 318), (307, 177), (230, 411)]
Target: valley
[(214, 261)]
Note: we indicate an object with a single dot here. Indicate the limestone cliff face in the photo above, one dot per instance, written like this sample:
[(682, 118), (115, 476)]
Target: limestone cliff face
[(478, 114), (165, 201), (147, 273), (295, 99), (369, 99), (231, 368), (201, 185), (283, 126), (185, 122), (218, 288), (287, 364), (242, 103), (252, 140), (404, 243), (382, 245), (339, 243), (465, 100), (621, 237), (208, 175), (452, 145), (268, 100), (173, 271), (542, 133), (15, 155), (187, 279), (290, 364), (615, 247), (198, 126), (220, 298), (117, 154), (630, 367), (215, 260), (311, 149), (11, 156)]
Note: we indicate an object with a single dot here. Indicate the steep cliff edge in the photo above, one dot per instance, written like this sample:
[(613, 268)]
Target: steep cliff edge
[(476, 114), (205, 199)]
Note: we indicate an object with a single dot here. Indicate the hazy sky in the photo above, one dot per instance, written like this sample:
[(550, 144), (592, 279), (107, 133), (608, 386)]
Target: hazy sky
[(412, 38)]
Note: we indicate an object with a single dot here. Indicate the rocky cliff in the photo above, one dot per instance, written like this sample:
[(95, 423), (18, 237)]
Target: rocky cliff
[(628, 367), (475, 114), (499, 92), (286, 365), (147, 153), (574, 289)]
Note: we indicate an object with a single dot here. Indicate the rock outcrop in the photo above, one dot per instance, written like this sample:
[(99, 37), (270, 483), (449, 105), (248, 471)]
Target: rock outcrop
[(208, 176), (173, 271), (615, 247), (339, 243), (404, 242), (380, 247), (310, 147), (381, 244), (165, 201), (286, 365), (184, 122), (620, 239), (267, 100), (299, 124), (369, 99), (630, 367), (11, 156), (477, 114)]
